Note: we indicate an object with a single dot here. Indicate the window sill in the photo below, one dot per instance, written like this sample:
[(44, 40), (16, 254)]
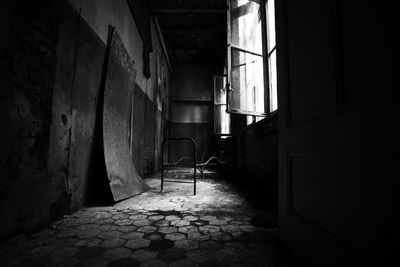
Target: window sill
[(264, 120)]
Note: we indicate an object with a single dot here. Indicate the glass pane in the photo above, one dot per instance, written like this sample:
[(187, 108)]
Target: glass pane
[(247, 82), (221, 120), (246, 30), (253, 119), (271, 24), (273, 88), (219, 90), (249, 120)]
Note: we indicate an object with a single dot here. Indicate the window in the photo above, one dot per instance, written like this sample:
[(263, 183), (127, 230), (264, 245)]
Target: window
[(221, 117), (251, 35), (271, 49)]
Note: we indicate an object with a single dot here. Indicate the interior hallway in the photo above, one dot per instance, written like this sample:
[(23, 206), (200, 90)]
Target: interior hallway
[(217, 227), (298, 101)]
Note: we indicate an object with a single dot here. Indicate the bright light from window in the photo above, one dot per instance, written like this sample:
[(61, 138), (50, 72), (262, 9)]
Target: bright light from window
[(271, 24), (247, 68), (259, 118), (247, 82), (221, 117), (246, 25), (273, 88), (249, 120), (273, 84), (224, 120), (250, 61)]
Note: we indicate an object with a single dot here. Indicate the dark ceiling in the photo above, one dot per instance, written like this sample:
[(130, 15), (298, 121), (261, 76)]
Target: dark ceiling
[(194, 31)]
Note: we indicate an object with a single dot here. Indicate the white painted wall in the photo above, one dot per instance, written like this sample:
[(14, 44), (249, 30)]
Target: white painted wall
[(99, 14)]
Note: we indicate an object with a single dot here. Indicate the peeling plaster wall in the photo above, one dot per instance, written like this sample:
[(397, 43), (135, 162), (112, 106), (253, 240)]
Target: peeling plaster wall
[(51, 64), (160, 77), (75, 155), (76, 95), (101, 13)]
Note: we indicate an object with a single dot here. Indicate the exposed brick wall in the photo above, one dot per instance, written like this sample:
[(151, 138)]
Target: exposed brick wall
[(28, 65), (258, 149), (31, 69), (253, 154)]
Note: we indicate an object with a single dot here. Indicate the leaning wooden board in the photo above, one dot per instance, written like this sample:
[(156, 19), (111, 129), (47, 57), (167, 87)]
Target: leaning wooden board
[(123, 177)]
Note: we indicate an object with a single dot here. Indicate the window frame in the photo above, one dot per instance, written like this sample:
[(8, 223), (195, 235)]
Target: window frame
[(269, 54), (220, 104), (265, 58)]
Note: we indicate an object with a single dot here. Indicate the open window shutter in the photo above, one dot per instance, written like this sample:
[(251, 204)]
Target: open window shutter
[(245, 58)]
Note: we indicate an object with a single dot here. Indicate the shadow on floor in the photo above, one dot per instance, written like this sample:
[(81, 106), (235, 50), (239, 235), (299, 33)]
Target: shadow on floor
[(173, 228)]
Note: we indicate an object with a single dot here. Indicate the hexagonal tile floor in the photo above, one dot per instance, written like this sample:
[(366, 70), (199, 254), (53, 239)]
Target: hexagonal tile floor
[(172, 228)]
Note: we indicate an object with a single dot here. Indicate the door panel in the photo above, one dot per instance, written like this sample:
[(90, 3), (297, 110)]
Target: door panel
[(310, 43), (369, 47), (338, 138)]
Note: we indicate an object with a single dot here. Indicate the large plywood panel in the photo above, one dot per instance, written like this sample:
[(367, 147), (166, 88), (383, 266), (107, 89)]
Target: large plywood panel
[(124, 179)]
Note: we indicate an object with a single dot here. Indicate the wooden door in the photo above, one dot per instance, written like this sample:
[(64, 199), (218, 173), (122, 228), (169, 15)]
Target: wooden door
[(338, 131)]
